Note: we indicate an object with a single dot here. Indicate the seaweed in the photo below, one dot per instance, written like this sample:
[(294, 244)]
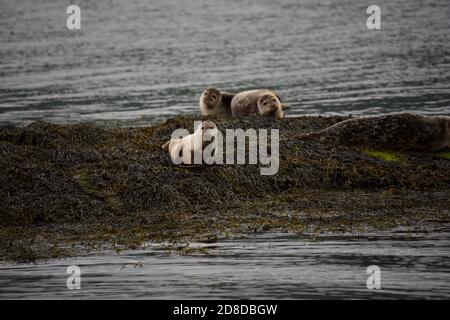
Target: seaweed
[(68, 189)]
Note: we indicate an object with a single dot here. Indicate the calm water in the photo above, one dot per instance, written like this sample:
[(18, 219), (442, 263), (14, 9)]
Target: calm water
[(141, 61), (138, 62), (259, 266)]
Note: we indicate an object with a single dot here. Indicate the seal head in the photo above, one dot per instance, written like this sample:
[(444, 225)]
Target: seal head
[(207, 131), (214, 102), (210, 101), (270, 105)]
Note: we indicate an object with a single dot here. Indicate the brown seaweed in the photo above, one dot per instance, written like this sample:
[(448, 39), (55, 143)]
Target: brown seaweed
[(69, 188)]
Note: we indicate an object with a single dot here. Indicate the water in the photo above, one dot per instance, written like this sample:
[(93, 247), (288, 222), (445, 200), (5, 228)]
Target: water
[(258, 266), (138, 62)]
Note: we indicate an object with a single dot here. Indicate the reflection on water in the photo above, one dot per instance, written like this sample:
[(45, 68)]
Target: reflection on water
[(257, 266), (144, 61)]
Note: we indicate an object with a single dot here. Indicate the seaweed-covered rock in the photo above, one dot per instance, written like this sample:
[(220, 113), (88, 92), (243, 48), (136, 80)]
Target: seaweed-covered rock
[(40, 195), (393, 132), (53, 170), (54, 177)]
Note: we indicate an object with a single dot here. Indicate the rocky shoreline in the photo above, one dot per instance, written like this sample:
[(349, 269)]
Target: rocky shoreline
[(68, 189)]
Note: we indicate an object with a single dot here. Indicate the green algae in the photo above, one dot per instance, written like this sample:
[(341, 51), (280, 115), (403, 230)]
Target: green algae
[(384, 155), (442, 154)]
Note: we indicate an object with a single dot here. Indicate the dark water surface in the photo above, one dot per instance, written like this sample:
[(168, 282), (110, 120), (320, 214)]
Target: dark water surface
[(258, 266), (141, 61), (138, 62)]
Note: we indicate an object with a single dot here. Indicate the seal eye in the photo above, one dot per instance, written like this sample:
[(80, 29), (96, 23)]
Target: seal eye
[(213, 96), (274, 100), (265, 103)]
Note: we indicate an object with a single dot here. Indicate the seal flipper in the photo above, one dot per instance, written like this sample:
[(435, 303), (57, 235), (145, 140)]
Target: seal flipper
[(165, 146)]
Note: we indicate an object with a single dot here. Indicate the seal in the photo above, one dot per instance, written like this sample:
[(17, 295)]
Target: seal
[(261, 102), (402, 132), (186, 147), (214, 102)]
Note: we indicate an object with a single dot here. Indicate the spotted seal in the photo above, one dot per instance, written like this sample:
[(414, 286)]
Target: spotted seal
[(261, 102)]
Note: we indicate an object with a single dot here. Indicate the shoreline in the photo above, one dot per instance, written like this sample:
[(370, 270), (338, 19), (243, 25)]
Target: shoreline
[(67, 189)]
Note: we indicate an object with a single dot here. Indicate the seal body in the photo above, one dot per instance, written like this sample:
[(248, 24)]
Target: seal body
[(214, 102), (392, 132), (186, 147), (260, 102)]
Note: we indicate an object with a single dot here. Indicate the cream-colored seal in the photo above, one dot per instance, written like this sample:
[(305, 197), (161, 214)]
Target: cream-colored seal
[(182, 150)]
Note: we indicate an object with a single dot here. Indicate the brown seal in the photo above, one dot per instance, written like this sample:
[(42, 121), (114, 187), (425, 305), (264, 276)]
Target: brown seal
[(260, 102), (391, 132), (214, 102)]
